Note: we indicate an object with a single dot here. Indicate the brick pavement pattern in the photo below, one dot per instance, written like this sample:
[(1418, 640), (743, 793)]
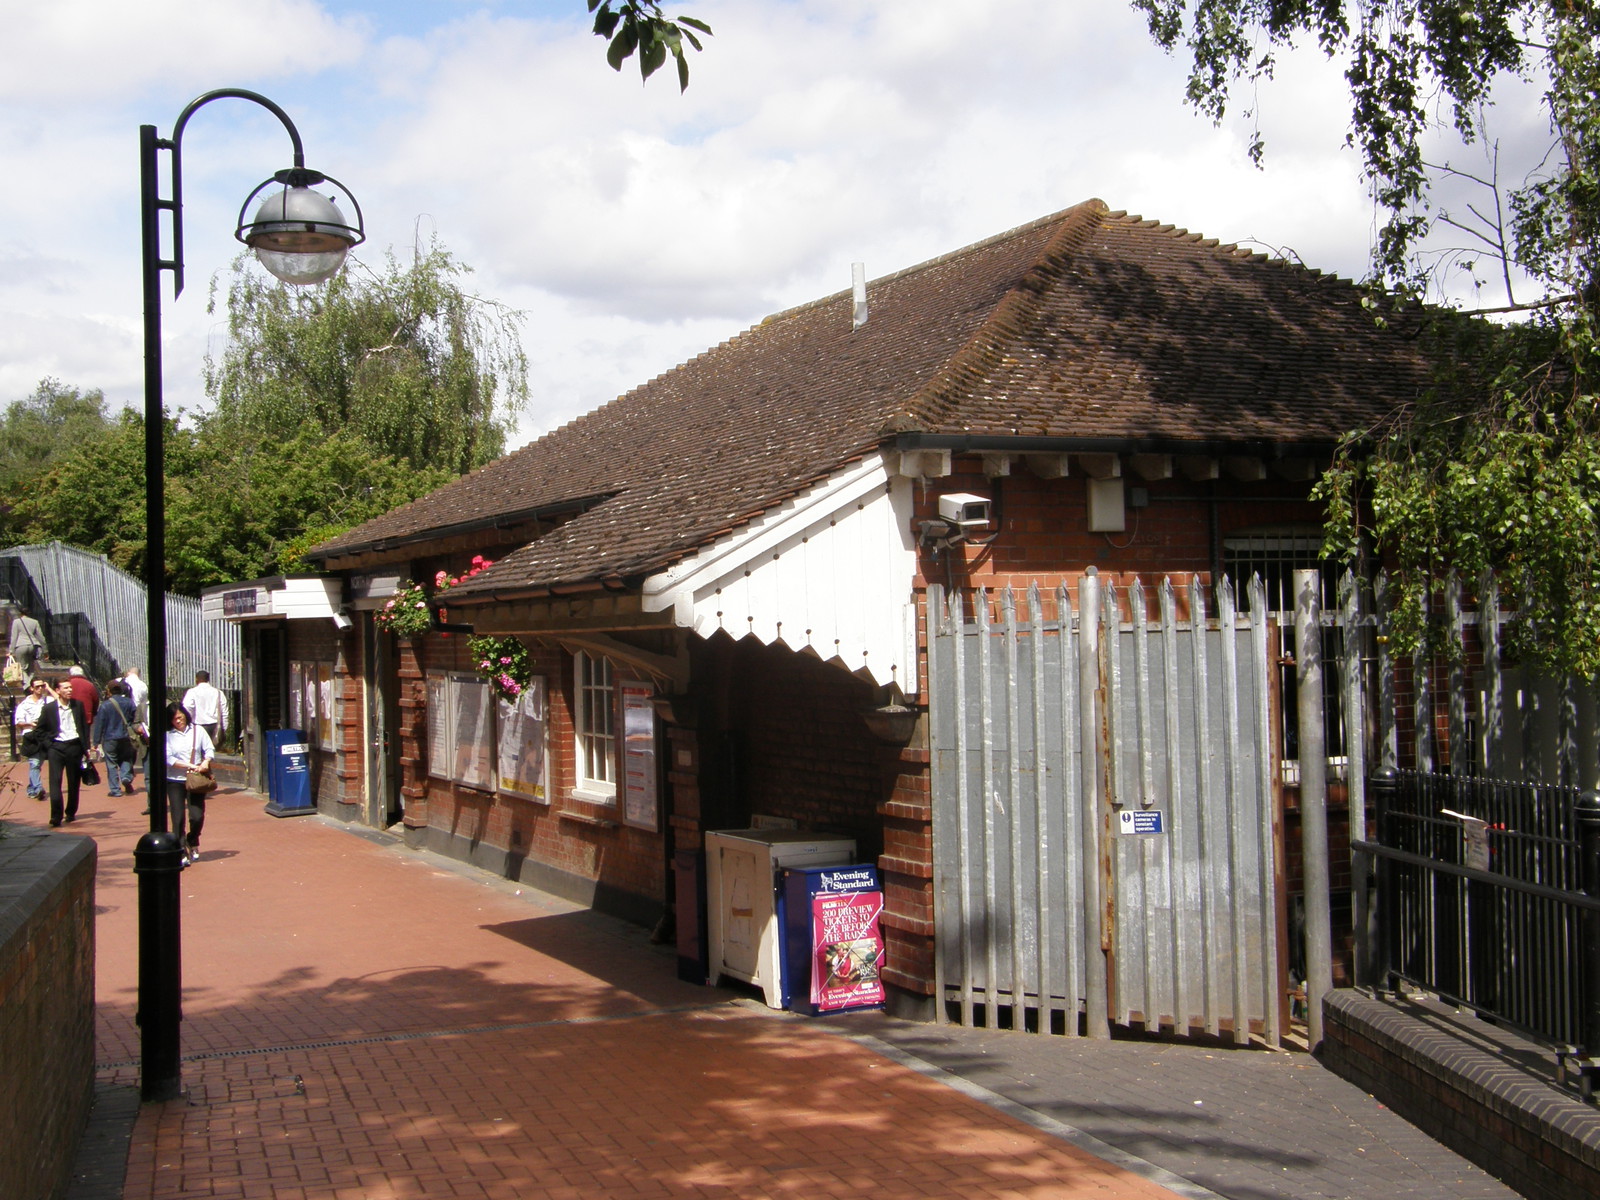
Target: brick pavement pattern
[(363, 1023), (367, 1023)]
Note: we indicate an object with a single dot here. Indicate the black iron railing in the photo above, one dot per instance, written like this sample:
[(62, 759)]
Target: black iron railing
[(1488, 894)]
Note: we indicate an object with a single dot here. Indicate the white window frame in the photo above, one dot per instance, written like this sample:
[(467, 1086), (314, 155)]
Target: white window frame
[(594, 723)]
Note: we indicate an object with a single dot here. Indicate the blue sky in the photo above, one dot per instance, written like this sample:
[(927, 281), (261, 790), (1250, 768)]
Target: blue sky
[(633, 226)]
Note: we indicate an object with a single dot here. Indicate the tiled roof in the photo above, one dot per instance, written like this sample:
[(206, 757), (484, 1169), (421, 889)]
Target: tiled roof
[(1086, 324)]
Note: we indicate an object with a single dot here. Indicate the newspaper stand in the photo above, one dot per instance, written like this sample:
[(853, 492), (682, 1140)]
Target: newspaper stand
[(288, 773), (832, 939)]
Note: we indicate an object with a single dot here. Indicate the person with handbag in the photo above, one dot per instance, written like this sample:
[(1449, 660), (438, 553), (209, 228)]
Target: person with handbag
[(112, 734), (25, 640), (63, 726), (188, 752)]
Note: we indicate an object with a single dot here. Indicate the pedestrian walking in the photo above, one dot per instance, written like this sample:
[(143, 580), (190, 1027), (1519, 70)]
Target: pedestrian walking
[(85, 691), (26, 641), (63, 726), (113, 734), (139, 693), (207, 706), (188, 750), (26, 718)]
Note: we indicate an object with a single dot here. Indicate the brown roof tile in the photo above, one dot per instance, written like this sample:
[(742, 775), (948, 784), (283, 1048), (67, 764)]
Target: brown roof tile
[(1086, 324)]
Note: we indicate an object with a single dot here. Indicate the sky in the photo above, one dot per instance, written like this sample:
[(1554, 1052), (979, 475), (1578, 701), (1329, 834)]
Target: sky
[(632, 226)]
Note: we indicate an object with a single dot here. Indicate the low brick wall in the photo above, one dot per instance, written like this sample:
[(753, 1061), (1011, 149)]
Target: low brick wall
[(46, 1007), (1456, 1086)]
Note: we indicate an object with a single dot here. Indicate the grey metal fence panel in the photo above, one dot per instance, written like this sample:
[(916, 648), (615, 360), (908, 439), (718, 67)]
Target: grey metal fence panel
[(1182, 719), (111, 602)]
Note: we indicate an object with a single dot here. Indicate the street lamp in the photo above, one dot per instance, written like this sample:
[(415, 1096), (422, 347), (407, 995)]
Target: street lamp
[(302, 238)]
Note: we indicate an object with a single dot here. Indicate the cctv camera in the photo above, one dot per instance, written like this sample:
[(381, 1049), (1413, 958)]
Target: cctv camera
[(964, 509)]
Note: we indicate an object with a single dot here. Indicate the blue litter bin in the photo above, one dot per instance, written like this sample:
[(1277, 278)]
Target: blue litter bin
[(288, 773)]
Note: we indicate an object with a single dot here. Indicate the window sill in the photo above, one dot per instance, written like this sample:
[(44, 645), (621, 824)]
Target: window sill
[(583, 818), (593, 795)]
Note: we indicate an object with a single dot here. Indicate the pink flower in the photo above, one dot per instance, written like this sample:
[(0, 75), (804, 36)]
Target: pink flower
[(439, 578), (420, 604), (477, 560), (505, 661)]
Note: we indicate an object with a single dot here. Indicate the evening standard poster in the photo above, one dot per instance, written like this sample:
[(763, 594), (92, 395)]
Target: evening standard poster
[(523, 762), (847, 943)]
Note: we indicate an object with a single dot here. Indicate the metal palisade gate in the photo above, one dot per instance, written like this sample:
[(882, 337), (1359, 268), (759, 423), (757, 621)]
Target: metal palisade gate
[(1104, 812)]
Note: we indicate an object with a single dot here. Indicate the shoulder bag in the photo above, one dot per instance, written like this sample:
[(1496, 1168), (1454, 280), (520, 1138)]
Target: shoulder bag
[(198, 782)]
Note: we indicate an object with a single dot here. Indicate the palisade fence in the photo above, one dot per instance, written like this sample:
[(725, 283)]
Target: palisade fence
[(1107, 807), (1104, 803), (94, 613)]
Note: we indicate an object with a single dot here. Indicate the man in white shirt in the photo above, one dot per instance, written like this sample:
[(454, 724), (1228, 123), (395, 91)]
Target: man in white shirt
[(207, 706), (27, 716)]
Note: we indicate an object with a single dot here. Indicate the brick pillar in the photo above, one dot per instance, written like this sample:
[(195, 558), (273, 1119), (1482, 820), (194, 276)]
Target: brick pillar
[(413, 734), (907, 870)]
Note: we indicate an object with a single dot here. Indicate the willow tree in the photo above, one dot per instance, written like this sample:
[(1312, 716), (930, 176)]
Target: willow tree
[(1500, 466), (402, 358)]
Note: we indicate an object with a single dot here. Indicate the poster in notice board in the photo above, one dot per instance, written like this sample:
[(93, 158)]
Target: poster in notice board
[(640, 806), (440, 759), (297, 706), (473, 711), (523, 762)]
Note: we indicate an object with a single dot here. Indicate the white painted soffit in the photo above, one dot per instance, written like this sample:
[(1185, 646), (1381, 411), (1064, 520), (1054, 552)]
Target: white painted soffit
[(830, 572)]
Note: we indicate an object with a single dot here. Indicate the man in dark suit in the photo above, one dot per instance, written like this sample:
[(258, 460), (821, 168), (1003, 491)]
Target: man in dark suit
[(63, 726)]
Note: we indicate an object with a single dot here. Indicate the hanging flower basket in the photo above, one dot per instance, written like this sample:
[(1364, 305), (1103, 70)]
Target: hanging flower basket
[(410, 612), (504, 662), (406, 613)]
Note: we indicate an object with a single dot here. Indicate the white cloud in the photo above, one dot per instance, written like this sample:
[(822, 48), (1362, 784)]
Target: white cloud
[(636, 226), (78, 51)]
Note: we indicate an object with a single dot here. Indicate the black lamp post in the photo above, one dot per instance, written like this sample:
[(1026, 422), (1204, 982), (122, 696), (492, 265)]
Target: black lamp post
[(301, 237)]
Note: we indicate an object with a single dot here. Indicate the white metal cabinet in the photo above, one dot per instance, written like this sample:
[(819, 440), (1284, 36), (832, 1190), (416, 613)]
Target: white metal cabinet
[(741, 898)]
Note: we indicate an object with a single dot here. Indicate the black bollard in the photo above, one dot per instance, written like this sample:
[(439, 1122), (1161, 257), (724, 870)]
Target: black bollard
[(158, 861)]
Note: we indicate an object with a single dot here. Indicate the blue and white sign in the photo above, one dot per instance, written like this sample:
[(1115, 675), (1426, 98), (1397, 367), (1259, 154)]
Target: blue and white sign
[(1140, 820)]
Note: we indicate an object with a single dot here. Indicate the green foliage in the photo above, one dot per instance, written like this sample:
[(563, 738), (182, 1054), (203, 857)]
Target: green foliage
[(234, 509), (92, 494), (34, 433), (1498, 468), (404, 360), (637, 25)]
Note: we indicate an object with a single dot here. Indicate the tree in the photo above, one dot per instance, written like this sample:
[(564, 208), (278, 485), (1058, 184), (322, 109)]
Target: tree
[(638, 25), (1500, 466), (403, 359), (234, 510), (35, 432)]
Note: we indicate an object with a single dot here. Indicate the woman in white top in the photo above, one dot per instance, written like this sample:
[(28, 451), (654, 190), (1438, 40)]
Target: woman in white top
[(188, 748)]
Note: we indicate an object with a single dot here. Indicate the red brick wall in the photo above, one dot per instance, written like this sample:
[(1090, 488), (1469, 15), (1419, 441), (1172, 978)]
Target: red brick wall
[(583, 841)]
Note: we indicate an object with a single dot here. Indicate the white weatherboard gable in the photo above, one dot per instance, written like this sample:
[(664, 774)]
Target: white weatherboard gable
[(830, 571)]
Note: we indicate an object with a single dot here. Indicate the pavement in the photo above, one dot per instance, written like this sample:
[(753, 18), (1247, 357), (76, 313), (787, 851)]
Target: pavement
[(367, 1022)]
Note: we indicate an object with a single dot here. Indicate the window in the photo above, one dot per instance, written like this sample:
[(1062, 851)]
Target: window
[(594, 716)]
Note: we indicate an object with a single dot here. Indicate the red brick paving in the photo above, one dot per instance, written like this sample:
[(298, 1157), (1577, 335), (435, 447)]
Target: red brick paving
[(521, 1048)]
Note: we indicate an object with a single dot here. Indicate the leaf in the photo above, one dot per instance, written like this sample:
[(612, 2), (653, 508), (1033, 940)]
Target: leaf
[(622, 46)]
